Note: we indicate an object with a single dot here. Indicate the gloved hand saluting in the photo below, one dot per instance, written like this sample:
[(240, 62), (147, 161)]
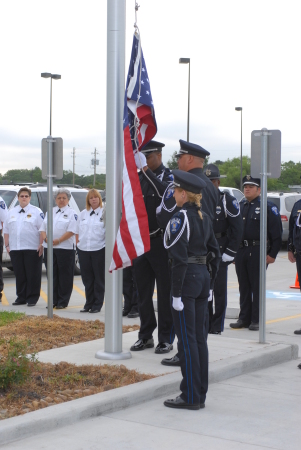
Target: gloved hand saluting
[(140, 160), (210, 298), (227, 258), (177, 303)]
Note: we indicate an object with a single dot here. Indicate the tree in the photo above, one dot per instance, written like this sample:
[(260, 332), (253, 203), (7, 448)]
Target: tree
[(172, 162)]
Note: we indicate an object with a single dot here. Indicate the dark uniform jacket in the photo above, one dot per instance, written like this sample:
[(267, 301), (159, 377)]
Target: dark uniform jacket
[(210, 198), (250, 212), (294, 237), (160, 178), (201, 241), (228, 224)]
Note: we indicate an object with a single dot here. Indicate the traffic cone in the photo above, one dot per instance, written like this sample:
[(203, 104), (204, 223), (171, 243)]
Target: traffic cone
[(296, 285)]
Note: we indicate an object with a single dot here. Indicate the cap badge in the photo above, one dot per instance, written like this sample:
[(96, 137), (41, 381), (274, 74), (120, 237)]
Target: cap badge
[(208, 172), (248, 177)]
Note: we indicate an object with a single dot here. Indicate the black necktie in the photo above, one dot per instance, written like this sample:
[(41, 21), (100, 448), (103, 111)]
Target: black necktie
[(22, 210), (91, 213), (58, 211)]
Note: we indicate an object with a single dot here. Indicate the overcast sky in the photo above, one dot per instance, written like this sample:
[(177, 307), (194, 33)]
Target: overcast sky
[(243, 53)]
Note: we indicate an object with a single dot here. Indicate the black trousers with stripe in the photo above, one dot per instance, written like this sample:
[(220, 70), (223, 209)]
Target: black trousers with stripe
[(63, 275), (92, 267), (217, 319), (190, 326), (27, 265)]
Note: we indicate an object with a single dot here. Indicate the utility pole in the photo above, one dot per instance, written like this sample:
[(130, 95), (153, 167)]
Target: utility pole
[(94, 163), (73, 156)]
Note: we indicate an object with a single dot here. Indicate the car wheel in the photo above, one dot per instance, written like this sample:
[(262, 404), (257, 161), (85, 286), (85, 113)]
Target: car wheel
[(76, 266)]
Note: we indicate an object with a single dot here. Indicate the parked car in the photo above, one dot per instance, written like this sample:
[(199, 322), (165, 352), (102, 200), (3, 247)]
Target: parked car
[(233, 191), (284, 202), (39, 199)]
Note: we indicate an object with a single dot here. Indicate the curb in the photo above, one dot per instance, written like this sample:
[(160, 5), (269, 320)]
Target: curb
[(64, 414)]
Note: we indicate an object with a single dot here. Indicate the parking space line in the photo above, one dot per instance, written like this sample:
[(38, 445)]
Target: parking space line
[(80, 291), (43, 295), (282, 319), (4, 300)]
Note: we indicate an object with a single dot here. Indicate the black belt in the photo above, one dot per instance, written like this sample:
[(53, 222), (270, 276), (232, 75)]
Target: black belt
[(248, 243), (219, 235), (197, 259), (155, 234)]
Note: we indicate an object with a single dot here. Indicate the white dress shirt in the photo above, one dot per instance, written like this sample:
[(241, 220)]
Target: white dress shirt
[(64, 219), (23, 228), (3, 212), (91, 230)]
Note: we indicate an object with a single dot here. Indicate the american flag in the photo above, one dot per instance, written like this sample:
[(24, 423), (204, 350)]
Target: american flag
[(139, 127)]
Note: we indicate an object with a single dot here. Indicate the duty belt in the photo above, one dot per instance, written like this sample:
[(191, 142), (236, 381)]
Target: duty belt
[(248, 243), (197, 260), (154, 234), (219, 235)]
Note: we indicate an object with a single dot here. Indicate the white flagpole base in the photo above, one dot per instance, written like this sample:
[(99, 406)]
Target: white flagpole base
[(113, 356)]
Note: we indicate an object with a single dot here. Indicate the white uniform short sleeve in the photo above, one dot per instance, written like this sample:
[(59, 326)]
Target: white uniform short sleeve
[(91, 230), (3, 212), (23, 228), (63, 220)]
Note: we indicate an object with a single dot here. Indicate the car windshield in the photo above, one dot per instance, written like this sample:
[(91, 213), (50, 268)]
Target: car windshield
[(290, 201), (275, 200), (8, 196)]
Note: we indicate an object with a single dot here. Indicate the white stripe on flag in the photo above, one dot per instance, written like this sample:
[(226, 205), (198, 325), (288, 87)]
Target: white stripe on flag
[(142, 131)]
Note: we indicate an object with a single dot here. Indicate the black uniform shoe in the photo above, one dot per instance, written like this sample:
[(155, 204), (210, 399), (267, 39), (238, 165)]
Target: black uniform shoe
[(92, 311), (61, 307), (179, 403), (133, 314), (54, 306), (254, 326), (124, 312), (174, 361), (18, 302), (84, 310), (163, 347), (239, 324), (297, 332), (299, 365), (31, 304), (142, 344), (215, 332)]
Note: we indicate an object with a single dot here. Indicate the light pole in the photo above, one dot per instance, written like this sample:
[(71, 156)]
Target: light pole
[(187, 61), (239, 108), (49, 205)]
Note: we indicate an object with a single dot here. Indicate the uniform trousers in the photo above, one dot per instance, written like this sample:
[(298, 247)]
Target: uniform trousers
[(92, 267), (149, 268), (298, 263), (1, 271), (130, 292), (217, 319), (247, 269), (27, 265), (63, 275), (190, 324)]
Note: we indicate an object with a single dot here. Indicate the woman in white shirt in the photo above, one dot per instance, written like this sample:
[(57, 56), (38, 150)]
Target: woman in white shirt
[(91, 251), (64, 229)]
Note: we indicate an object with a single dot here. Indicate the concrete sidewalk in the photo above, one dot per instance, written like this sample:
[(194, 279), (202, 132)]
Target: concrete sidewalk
[(228, 357)]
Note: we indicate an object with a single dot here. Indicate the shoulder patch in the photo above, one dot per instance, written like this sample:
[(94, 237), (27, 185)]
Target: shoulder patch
[(169, 193), (235, 204), (75, 216), (42, 215), (171, 177), (275, 210), (2, 205), (175, 224)]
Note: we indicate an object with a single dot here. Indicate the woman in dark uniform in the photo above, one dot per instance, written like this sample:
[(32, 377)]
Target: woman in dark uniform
[(189, 238)]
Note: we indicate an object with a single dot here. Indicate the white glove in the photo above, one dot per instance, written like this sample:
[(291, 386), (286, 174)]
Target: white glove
[(227, 258), (210, 298), (140, 160), (177, 303)]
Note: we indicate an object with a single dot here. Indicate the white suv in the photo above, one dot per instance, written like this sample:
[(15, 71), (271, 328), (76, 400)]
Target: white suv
[(284, 202), (39, 199)]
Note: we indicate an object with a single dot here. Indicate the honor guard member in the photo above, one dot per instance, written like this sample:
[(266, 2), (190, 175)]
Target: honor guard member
[(91, 241), (3, 214), (190, 241), (64, 230), (248, 256), (294, 241), (130, 294), (24, 245), (190, 158), (227, 227), (152, 266)]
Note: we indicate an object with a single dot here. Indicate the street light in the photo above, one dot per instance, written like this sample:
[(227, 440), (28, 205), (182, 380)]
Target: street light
[(239, 108), (49, 204), (187, 61)]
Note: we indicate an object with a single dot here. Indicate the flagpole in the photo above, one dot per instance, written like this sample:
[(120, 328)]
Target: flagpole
[(116, 15)]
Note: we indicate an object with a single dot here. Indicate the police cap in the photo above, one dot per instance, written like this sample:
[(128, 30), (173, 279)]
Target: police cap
[(152, 146), (248, 179), (212, 172), (188, 181), (187, 148)]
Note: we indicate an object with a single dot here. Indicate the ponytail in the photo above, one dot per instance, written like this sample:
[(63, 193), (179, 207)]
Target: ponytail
[(196, 199)]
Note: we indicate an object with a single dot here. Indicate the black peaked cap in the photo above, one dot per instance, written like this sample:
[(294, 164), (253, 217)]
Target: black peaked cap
[(188, 181)]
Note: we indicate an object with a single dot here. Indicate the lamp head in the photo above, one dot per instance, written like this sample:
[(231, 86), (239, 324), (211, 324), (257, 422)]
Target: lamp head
[(45, 75), (238, 108), (184, 60)]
